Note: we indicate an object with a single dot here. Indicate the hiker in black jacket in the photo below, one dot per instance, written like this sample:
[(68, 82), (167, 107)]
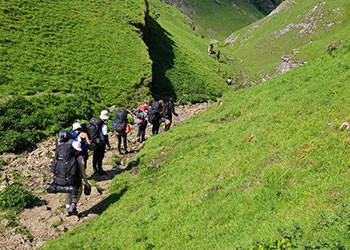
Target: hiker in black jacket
[(168, 111), (155, 115), (99, 152)]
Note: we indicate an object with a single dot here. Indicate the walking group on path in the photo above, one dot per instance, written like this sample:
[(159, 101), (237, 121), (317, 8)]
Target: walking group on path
[(73, 146)]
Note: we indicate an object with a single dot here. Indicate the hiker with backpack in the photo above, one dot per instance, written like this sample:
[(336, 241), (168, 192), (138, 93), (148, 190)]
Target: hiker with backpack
[(142, 122), (210, 49), (218, 55), (121, 128), (101, 141), (68, 168), (168, 111), (155, 115), (84, 140)]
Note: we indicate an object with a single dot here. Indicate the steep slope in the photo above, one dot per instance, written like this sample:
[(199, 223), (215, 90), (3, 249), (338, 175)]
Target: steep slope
[(297, 30), (67, 60), (181, 65), (216, 19), (266, 166)]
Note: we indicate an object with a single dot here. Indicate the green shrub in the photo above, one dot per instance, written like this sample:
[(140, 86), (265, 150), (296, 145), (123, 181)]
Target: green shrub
[(17, 197)]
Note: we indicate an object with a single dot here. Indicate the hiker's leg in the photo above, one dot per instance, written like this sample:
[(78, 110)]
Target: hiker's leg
[(94, 160), (125, 142), (119, 142), (101, 156), (139, 132), (68, 203), (143, 131)]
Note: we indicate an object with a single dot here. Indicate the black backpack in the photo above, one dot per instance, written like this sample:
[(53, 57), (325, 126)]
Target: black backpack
[(121, 118), (166, 110), (155, 111), (64, 166), (93, 131)]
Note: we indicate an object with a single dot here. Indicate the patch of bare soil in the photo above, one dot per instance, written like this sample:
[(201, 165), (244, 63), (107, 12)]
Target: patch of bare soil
[(46, 221)]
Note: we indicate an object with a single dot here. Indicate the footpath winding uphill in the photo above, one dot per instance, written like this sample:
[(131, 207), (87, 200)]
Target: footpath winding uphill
[(46, 221)]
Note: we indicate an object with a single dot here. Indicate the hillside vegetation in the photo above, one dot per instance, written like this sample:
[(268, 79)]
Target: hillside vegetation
[(217, 19), (66, 61), (265, 167), (300, 29)]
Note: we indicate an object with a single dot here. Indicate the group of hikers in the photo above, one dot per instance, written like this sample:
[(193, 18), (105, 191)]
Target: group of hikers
[(73, 146), (210, 51)]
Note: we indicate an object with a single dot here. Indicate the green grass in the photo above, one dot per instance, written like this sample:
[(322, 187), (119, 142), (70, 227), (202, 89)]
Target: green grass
[(218, 21), (241, 174), (261, 50), (73, 47)]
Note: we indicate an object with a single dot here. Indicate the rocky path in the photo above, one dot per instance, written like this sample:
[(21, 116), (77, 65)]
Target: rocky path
[(33, 227)]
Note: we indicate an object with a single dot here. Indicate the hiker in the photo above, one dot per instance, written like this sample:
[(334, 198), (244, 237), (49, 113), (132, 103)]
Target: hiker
[(68, 168), (84, 140), (218, 56), (121, 128), (155, 116), (100, 149), (72, 201), (168, 111), (142, 122), (210, 49), (229, 81)]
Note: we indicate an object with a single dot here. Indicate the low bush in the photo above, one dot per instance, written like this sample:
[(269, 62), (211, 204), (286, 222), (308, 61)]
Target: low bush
[(15, 196)]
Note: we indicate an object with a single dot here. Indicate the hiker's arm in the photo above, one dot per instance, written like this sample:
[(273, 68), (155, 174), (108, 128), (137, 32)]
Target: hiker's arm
[(107, 141), (173, 111), (86, 137)]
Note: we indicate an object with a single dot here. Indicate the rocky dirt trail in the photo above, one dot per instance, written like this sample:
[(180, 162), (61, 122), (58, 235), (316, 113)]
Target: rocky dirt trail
[(46, 221)]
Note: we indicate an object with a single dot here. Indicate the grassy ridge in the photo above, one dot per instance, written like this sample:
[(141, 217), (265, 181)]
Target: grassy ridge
[(70, 47), (262, 44), (268, 168), (65, 61), (218, 21)]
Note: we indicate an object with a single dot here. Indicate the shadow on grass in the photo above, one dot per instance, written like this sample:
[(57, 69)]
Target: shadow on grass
[(103, 205), (160, 48)]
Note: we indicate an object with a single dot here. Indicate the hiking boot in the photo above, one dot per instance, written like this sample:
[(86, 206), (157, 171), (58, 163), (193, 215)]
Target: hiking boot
[(66, 212), (73, 211), (102, 172)]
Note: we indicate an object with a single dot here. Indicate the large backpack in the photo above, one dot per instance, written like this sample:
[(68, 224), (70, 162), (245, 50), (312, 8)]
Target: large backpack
[(155, 111), (121, 118), (64, 166), (166, 110), (93, 131)]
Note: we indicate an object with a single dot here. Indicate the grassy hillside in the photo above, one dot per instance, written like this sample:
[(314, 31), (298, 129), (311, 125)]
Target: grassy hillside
[(181, 65), (217, 19), (266, 167), (303, 30)]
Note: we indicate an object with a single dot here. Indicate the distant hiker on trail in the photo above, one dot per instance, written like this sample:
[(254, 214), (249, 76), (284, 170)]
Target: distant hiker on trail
[(229, 81), (121, 128), (218, 56), (210, 49), (99, 152), (142, 122), (155, 116), (68, 168), (168, 111)]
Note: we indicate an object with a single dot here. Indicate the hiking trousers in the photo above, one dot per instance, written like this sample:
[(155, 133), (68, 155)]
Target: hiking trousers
[(142, 131), (124, 137), (99, 154), (155, 128)]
